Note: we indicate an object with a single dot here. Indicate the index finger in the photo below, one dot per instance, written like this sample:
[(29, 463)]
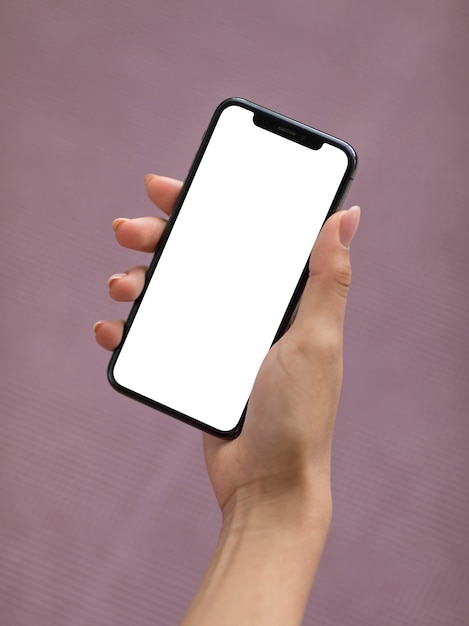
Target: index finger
[(163, 191)]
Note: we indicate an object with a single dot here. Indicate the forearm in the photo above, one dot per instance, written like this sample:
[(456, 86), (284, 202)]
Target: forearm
[(264, 565)]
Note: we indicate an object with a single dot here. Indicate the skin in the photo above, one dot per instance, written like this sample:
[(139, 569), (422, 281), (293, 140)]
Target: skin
[(272, 483)]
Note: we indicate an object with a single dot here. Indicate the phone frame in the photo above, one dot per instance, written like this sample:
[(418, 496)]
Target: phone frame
[(290, 129)]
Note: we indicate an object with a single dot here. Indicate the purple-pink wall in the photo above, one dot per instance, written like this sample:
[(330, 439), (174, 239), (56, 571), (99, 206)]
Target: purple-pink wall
[(106, 514)]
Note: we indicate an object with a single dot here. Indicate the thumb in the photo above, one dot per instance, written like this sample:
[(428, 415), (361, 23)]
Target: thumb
[(322, 309)]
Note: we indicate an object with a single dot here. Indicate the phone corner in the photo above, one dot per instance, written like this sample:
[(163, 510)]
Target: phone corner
[(226, 435), (233, 101), (110, 373), (353, 160)]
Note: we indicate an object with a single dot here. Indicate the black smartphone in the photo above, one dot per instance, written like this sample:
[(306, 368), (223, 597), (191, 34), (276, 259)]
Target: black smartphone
[(231, 265)]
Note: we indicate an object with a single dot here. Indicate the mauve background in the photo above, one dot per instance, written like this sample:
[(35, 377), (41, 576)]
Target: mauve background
[(106, 514)]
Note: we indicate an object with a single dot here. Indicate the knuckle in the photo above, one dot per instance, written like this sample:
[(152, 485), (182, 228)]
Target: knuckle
[(322, 343), (336, 275), (341, 274), (326, 343)]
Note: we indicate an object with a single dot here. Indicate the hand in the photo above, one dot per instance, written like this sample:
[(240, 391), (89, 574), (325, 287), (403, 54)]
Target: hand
[(288, 428), (277, 472)]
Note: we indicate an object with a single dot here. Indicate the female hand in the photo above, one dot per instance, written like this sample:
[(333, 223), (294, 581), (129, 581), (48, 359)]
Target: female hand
[(276, 474)]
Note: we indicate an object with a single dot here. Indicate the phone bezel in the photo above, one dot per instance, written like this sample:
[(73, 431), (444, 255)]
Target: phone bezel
[(281, 125)]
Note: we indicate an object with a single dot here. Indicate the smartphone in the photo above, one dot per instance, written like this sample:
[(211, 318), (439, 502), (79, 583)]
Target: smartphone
[(231, 265)]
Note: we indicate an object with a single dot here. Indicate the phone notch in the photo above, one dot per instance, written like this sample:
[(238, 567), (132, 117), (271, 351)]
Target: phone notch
[(296, 133)]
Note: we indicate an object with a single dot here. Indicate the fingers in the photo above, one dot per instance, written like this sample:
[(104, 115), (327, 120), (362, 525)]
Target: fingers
[(109, 334), (163, 191), (127, 286), (321, 313), (141, 233), (123, 288)]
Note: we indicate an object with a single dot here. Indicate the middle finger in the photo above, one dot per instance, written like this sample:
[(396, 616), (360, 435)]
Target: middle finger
[(141, 233), (127, 286)]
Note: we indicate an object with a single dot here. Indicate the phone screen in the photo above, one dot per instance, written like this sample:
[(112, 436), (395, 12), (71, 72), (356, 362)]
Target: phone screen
[(228, 270)]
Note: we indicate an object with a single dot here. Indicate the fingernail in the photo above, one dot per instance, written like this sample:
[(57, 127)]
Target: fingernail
[(148, 178), (117, 222), (97, 326), (115, 277), (348, 225)]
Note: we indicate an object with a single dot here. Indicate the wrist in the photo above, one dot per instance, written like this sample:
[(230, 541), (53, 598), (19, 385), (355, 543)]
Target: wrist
[(303, 506), (267, 556), (271, 541)]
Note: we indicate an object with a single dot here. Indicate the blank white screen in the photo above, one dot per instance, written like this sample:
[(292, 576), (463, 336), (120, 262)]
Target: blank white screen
[(228, 270)]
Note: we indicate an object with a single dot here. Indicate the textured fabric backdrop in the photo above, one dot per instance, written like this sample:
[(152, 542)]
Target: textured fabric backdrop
[(106, 514)]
